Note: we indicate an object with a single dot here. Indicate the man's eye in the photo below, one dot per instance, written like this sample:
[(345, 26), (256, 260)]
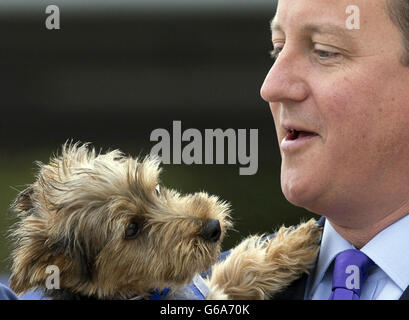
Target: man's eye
[(326, 54)]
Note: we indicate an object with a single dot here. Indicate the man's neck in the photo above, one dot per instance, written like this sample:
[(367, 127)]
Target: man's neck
[(360, 233)]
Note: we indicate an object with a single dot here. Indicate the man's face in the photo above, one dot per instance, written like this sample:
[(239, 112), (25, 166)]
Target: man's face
[(340, 102)]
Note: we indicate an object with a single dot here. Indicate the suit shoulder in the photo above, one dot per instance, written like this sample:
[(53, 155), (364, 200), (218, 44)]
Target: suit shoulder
[(6, 293)]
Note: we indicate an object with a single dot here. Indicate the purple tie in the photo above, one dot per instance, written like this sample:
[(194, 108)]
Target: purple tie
[(350, 271)]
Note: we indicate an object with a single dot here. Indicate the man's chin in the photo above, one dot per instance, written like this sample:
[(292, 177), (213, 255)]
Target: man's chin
[(301, 197)]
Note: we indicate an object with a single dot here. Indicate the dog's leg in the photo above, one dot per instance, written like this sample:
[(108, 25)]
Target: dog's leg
[(258, 268)]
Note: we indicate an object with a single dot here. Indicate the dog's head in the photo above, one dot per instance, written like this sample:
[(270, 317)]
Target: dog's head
[(110, 228)]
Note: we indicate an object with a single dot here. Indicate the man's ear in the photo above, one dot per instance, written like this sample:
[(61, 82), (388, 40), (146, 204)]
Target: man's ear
[(23, 202)]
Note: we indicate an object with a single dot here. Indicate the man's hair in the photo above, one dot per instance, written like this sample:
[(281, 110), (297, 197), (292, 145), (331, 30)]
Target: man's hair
[(399, 13)]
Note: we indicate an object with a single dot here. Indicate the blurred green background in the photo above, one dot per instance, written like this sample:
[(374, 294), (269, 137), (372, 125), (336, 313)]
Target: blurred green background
[(117, 70)]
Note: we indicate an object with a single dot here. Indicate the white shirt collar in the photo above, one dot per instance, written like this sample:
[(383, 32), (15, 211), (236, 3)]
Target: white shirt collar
[(389, 249)]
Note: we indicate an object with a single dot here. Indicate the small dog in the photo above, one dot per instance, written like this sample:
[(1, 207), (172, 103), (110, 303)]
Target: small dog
[(115, 233)]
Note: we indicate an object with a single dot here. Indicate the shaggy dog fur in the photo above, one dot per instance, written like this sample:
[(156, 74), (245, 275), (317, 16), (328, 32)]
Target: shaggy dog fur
[(115, 233)]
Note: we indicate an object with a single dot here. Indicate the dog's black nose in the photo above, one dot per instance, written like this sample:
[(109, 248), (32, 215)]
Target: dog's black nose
[(211, 230)]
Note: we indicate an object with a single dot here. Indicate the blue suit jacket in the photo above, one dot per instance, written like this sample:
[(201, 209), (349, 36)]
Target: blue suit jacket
[(6, 293)]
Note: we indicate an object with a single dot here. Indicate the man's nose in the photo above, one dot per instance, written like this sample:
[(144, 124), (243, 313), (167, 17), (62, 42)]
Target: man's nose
[(285, 81)]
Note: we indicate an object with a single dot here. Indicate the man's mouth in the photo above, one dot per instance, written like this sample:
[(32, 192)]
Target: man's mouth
[(296, 138), (293, 134)]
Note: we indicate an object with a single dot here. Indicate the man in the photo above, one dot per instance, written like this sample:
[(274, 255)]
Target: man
[(339, 95)]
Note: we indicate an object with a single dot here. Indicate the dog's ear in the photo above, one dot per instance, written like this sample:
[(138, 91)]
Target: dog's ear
[(23, 202), (37, 251), (30, 257)]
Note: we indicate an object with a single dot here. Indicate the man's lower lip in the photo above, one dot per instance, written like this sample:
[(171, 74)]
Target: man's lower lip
[(293, 145)]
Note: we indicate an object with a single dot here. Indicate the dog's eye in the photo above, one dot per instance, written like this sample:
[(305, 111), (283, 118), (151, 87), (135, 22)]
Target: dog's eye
[(157, 191), (132, 230)]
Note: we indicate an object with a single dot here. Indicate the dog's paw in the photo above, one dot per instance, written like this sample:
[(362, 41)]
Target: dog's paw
[(293, 252), (258, 268), (302, 241)]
